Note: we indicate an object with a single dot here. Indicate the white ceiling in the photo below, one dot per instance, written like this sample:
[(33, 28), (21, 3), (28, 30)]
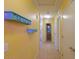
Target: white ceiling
[(48, 6)]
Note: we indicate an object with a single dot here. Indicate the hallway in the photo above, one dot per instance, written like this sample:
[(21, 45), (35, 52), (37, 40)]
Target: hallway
[(30, 24), (48, 52)]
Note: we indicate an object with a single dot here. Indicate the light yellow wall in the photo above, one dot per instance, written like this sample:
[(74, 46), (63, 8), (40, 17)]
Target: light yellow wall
[(21, 45), (68, 32), (22, 7)]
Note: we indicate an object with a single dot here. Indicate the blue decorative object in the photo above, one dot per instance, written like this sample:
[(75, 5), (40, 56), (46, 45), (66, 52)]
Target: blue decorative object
[(48, 29), (31, 30), (9, 15)]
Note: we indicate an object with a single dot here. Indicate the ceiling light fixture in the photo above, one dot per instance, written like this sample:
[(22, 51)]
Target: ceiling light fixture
[(65, 16), (47, 16)]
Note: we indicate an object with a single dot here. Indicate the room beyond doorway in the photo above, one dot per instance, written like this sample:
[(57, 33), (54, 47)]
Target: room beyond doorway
[(48, 32)]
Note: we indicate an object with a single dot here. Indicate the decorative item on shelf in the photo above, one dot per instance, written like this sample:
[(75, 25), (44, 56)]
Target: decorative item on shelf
[(31, 30), (9, 15)]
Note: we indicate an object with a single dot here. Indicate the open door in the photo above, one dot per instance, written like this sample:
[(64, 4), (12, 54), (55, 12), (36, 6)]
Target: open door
[(48, 32)]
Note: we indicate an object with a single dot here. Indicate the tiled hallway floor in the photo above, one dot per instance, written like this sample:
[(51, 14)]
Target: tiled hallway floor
[(47, 52)]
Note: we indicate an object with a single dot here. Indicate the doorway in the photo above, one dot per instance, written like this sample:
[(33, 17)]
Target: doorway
[(48, 32)]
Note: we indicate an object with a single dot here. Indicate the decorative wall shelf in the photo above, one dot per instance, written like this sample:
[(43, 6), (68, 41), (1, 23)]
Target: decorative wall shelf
[(9, 15), (31, 30)]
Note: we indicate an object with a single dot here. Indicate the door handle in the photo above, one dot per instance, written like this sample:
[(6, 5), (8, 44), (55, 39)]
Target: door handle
[(72, 49)]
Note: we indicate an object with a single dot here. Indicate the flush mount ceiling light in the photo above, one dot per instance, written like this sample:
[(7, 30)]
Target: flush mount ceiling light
[(47, 16), (65, 16)]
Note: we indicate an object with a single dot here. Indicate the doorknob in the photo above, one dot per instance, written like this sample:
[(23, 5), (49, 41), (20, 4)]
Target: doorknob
[(72, 49)]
